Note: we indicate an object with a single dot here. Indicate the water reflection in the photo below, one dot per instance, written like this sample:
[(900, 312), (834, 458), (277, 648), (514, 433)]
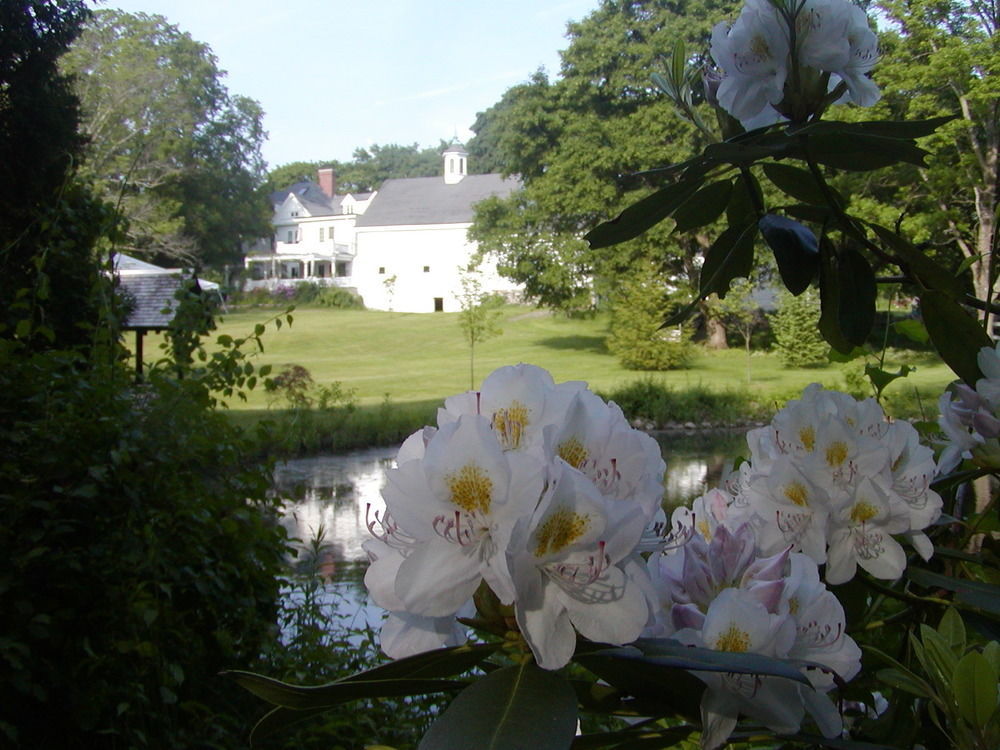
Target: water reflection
[(333, 493)]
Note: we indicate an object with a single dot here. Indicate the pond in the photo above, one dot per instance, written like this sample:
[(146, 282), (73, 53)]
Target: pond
[(331, 495)]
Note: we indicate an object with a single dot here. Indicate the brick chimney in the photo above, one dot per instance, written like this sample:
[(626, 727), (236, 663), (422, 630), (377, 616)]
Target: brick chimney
[(327, 180)]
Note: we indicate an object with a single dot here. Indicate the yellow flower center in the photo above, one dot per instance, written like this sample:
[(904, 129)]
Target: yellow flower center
[(705, 530), (836, 453), (510, 424), (759, 48), (808, 437), (863, 511), (559, 530), (793, 606), (733, 639), (471, 489), (572, 452), (796, 492)]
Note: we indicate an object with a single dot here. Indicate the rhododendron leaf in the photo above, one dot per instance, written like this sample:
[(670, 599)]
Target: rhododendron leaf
[(975, 684), (795, 250), (729, 257), (657, 690), (906, 681), (986, 596), (671, 654), (445, 662), (643, 214), (743, 202), (912, 329), (297, 697), (930, 273), (704, 207), (956, 335), (847, 292), (797, 183), (881, 378), (521, 706), (900, 129), (278, 720), (952, 629), (856, 152)]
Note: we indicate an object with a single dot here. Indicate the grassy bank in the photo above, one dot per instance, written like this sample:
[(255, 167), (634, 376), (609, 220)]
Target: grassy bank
[(398, 367), (421, 357)]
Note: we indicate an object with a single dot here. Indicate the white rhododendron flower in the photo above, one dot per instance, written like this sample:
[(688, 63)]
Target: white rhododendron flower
[(970, 418), (540, 491), (833, 478), (722, 593), (782, 59), (567, 568)]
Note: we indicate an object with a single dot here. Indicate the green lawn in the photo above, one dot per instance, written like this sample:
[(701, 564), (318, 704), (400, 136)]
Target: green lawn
[(417, 357)]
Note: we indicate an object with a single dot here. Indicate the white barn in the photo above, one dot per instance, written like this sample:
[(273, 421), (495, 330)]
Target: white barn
[(401, 248)]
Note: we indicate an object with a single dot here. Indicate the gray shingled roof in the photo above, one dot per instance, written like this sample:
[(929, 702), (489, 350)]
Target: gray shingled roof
[(429, 200)]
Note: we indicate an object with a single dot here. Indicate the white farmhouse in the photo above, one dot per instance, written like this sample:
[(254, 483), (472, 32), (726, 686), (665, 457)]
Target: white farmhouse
[(401, 248)]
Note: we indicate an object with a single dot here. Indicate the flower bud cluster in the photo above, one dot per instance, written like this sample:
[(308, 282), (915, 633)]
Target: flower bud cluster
[(792, 58), (834, 479), (543, 492), (970, 418), (719, 591)]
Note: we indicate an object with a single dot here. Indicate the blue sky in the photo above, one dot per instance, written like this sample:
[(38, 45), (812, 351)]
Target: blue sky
[(333, 75)]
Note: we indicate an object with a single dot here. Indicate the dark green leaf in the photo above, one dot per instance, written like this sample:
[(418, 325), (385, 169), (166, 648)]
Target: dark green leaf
[(803, 212), (659, 736), (445, 662), (929, 273), (657, 689), (668, 652), (704, 207), (514, 707), (642, 215), (279, 719), (280, 693), (742, 206), (881, 378), (729, 257), (986, 596), (795, 250), (847, 293), (850, 356), (956, 335), (912, 329), (797, 183), (857, 152), (975, 684), (906, 681), (903, 130)]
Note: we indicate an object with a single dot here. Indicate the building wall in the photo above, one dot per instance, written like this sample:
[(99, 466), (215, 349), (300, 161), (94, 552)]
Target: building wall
[(427, 262)]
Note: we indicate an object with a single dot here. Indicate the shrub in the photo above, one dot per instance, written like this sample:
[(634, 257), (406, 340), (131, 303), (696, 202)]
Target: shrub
[(797, 338), (141, 555), (343, 299), (636, 339)]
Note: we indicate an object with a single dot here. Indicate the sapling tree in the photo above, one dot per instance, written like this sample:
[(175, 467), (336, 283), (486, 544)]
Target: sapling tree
[(479, 318)]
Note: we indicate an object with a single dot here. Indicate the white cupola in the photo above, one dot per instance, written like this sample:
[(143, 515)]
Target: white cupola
[(455, 163)]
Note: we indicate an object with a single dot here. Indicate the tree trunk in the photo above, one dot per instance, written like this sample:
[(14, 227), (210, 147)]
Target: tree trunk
[(715, 334)]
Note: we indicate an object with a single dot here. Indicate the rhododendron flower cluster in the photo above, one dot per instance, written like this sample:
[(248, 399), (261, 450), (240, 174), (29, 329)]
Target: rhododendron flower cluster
[(543, 492), (783, 58), (970, 418), (720, 592), (833, 478)]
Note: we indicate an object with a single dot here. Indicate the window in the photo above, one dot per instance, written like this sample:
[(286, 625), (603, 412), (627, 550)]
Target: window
[(439, 304), (290, 236), (427, 269), (321, 232), (381, 269), (342, 269)]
